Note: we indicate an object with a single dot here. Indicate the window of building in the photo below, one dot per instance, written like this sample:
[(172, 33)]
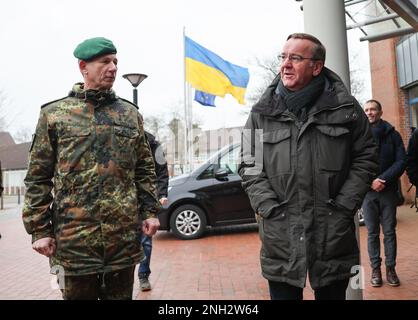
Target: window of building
[(413, 104)]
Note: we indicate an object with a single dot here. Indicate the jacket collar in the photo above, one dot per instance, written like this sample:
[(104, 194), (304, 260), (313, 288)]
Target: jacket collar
[(386, 126), (335, 94), (97, 97)]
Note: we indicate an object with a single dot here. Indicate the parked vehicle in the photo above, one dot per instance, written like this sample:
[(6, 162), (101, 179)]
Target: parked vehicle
[(211, 195)]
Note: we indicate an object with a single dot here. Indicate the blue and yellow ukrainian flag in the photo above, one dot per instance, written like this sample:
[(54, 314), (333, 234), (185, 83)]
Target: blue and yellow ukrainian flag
[(208, 72)]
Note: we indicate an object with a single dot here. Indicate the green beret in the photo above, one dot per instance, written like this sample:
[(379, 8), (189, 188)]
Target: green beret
[(94, 47)]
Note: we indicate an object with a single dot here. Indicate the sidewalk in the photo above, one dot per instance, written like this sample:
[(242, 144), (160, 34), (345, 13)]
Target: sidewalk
[(10, 202), (222, 265), (407, 260)]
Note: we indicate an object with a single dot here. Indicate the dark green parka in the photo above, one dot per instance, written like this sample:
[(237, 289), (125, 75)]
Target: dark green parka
[(313, 178)]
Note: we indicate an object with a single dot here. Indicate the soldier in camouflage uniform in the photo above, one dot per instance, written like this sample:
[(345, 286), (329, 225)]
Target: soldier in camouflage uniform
[(91, 174)]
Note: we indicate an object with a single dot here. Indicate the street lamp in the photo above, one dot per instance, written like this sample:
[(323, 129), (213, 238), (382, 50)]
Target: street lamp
[(135, 79)]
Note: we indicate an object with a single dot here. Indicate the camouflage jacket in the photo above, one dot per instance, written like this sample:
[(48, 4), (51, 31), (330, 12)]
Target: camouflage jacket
[(91, 174)]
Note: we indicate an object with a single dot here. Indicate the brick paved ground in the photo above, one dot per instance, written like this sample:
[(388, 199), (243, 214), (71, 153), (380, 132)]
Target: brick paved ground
[(222, 265)]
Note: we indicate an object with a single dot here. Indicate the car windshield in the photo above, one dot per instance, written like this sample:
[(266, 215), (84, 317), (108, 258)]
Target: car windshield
[(227, 158)]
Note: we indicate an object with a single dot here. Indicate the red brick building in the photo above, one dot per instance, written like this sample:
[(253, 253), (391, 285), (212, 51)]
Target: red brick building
[(394, 76)]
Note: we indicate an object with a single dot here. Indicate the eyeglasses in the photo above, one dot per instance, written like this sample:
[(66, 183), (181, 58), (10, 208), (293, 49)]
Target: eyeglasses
[(294, 58)]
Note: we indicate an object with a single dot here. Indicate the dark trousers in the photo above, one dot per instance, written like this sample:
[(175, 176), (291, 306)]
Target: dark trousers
[(284, 291), (144, 269), (379, 208), (116, 285)]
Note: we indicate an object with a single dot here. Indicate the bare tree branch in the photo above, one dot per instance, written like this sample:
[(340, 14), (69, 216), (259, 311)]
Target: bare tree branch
[(3, 103), (23, 134)]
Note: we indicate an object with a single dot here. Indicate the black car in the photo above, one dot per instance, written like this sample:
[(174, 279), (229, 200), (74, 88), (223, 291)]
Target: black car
[(211, 195)]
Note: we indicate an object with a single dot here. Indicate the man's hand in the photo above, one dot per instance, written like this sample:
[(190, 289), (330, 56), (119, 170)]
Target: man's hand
[(45, 246), (164, 201), (150, 226), (378, 184)]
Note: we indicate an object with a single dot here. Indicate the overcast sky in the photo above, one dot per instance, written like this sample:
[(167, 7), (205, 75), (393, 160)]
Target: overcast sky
[(38, 38)]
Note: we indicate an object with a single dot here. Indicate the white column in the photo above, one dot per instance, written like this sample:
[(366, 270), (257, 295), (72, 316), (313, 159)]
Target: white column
[(325, 19)]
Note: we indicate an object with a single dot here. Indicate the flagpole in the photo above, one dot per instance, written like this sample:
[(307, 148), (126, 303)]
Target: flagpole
[(190, 101), (186, 125)]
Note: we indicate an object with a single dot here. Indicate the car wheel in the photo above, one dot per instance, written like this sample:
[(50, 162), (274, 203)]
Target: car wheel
[(188, 222)]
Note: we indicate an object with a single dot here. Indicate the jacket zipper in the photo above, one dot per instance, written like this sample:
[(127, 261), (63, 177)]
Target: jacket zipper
[(335, 108), (313, 184)]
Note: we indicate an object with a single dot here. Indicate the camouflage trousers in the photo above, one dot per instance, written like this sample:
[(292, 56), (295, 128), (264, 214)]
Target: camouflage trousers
[(116, 285)]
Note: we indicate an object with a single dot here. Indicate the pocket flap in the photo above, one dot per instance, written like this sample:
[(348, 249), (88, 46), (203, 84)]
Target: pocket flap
[(271, 213), (73, 131), (276, 136), (332, 131), (126, 132)]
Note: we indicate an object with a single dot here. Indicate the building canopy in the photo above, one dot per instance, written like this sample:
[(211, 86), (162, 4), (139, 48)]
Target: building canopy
[(382, 19)]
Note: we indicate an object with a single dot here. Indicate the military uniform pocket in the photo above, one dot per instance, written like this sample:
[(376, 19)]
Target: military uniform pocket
[(125, 140), (74, 149)]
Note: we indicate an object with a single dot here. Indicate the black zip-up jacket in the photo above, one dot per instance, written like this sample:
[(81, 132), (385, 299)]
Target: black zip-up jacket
[(412, 158), (160, 162), (311, 179), (392, 158)]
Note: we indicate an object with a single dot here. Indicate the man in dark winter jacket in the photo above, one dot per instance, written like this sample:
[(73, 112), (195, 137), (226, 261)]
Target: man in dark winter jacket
[(161, 171), (379, 206), (412, 158), (308, 177)]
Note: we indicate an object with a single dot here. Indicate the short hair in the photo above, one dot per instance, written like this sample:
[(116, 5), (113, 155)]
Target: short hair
[(377, 103), (318, 52)]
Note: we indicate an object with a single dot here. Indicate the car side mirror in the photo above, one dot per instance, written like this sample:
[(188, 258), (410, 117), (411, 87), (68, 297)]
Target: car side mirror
[(221, 174)]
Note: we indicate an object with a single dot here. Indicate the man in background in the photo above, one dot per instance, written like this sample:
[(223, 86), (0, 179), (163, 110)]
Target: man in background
[(379, 206), (161, 171)]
